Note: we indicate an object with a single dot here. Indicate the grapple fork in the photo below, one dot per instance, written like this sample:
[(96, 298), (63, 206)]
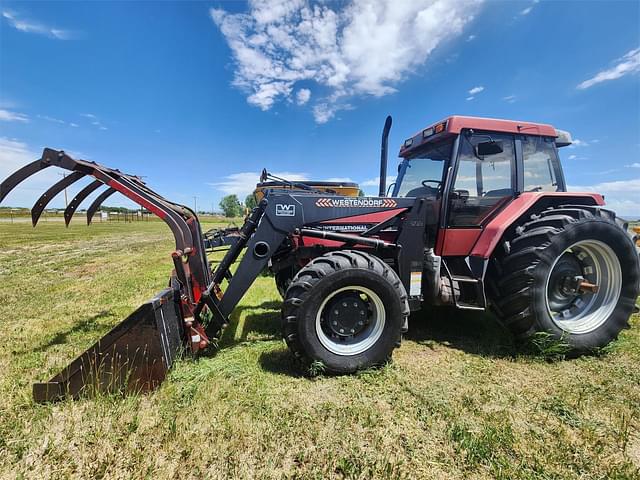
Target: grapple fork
[(137, 353)]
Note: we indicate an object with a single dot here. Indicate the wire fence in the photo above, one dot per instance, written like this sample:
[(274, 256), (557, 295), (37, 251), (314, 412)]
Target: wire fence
[(24, 216)]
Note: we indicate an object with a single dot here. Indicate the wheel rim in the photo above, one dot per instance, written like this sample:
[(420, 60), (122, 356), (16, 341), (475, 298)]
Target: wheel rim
[(583, 287), (350, 320)]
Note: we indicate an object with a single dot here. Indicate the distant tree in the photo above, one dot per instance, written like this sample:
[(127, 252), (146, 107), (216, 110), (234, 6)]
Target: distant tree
[(250, 201), (230, 205), (361, 193)]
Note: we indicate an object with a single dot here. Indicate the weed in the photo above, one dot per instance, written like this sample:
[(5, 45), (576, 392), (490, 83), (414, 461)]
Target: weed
[(547, 346)]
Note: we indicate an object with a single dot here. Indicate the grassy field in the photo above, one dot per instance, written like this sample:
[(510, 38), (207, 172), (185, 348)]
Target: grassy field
[(457, 402)]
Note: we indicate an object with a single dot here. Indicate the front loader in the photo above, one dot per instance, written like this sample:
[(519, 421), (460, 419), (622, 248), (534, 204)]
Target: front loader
[(478, 219)]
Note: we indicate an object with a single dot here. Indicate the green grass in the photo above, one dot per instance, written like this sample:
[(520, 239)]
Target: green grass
[(458, 401)]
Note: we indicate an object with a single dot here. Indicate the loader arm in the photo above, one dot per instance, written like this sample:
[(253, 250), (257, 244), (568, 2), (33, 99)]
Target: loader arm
[(279, 215)]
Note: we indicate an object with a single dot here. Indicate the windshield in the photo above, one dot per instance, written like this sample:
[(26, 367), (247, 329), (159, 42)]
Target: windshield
[(421, 175)]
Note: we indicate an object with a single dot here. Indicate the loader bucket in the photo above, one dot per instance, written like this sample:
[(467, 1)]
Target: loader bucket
[(134, 357)]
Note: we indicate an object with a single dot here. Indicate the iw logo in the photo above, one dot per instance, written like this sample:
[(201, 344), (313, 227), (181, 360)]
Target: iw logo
[(285, 210)]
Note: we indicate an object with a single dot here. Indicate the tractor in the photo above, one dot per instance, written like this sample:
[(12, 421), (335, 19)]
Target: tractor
[(478, 218)]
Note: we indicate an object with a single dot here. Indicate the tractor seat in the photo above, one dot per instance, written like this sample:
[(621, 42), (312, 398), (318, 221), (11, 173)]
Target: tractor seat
[(422, 192)]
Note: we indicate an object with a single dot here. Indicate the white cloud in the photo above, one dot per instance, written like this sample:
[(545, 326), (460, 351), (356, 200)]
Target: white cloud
[(629, 63), (471, 38), (476, 90), (303, 96), (373, 182), (31, 26), (9, 116), (470, 98), (93, 119), (14, 155), (51, 119), (364, 48), (572, 157), (243, 183), (633, 165), (339, 180), (509, 98), (622, 196), (527, 11), (576, 142)]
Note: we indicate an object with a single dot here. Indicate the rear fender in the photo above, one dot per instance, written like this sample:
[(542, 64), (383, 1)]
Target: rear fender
[(525, 204)]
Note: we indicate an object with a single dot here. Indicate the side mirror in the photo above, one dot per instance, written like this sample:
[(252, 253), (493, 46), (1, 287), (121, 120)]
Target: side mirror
[(264, 175), (488, 148)]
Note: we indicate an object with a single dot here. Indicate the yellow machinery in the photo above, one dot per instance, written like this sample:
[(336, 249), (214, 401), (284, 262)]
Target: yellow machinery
[(345, 189)]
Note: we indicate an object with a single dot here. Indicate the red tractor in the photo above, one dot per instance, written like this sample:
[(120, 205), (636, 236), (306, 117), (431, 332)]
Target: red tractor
[(478, 218)]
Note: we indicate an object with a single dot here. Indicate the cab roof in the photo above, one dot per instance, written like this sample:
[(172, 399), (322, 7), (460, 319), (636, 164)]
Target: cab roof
[(456, 123)]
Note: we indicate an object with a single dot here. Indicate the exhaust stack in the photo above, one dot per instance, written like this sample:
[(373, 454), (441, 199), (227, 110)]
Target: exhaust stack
[(383, 156)]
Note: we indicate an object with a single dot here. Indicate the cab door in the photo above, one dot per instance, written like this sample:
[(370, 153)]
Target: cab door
[(483, 181)]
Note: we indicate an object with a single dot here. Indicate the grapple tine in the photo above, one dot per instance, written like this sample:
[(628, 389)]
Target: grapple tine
[(97, 202), (77, 200), (47, 196), (25, 172), (136, 355)]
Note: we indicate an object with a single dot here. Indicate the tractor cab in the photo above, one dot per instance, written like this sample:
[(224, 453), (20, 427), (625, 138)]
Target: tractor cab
[(472, 167)]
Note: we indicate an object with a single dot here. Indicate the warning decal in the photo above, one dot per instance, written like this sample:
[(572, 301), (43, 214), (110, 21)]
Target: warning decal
[(415, 286)]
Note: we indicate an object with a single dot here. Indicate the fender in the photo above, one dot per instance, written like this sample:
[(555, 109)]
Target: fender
[(492, 232)]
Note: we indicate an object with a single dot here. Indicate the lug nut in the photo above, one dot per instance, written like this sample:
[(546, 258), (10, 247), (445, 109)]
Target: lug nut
[(344, 304), (353, 331), (342, 330), (334, 323), (355, 304), (336, 312)]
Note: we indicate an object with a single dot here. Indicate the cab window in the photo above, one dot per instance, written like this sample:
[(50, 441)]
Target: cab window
[(541, 165), (422, 173), (484, 179)]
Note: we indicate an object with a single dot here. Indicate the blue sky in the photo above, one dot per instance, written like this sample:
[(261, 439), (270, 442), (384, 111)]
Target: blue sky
[(199, 96)]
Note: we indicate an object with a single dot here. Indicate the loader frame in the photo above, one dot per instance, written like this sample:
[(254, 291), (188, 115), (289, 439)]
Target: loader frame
[(280, 215)]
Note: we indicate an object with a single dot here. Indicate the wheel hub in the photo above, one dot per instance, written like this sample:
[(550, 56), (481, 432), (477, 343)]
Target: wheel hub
[(563, 282), (350, 320), (347, 315), (583, 286)]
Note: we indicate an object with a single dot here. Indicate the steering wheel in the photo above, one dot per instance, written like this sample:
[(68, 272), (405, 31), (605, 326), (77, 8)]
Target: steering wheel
[(431, 181)]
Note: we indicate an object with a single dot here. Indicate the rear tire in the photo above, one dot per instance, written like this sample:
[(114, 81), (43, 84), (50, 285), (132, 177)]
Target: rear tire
[(344, 310), (571, 271)]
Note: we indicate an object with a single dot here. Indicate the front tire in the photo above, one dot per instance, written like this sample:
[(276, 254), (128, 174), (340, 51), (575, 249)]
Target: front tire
[(570, 271), (345, 310)]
